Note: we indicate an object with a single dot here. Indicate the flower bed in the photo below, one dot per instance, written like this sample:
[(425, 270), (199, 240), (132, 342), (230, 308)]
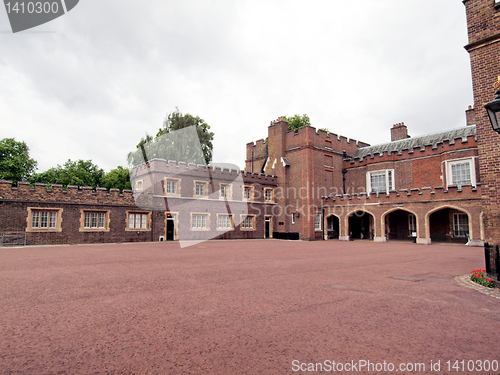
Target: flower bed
[(478, 277)]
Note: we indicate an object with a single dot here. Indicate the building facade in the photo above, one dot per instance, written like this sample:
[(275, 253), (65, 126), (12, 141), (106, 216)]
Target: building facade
[(308, 185), (170, 201), (424, 189), (483, 25)]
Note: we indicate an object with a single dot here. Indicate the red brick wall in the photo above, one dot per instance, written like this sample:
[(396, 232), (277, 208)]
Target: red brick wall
[(483, 24)]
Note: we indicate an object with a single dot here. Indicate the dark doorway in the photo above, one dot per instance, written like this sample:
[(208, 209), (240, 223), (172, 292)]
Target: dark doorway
[(361, 226), (400, 225), (449, 225), (333, 227), (170, 229), (267, 228)]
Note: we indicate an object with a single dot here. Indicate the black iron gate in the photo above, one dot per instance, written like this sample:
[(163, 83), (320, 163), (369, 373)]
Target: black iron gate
[(492, 258)]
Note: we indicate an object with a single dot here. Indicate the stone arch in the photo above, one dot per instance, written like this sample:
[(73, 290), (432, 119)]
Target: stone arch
[(361, 226), (401, 231), (332, 225), (442, 223)]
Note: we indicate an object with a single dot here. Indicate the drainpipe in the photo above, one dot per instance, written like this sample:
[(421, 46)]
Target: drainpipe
[(323, 220), (344, 172)]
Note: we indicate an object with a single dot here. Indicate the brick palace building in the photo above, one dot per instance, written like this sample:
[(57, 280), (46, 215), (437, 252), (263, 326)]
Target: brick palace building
[(309, 184)]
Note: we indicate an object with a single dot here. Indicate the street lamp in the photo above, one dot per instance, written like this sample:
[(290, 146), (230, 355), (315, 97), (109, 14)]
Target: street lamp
[(493, 109)]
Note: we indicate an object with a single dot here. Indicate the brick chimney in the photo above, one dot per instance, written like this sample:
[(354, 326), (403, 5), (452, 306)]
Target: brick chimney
[(399, 131)]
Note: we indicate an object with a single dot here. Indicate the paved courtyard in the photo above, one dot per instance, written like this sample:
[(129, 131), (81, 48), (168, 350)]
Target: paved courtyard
[(244, 307)]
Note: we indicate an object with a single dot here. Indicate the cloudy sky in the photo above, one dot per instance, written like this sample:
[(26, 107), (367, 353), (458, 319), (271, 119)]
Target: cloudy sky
[(91, 83)]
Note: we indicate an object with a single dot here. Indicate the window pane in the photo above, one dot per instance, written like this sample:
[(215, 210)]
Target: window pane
[(36, 220), (171, 187), (144, 223), (131, 220), (200, 189), (44, 218), (460, 173), (53, 219), (461, 225), (102, 220), (86, 220), (377, 181), (94, 219), (317, 221), (412, 225), (268, 195)]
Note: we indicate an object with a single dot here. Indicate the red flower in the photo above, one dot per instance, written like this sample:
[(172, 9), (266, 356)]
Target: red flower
[(489, 280)]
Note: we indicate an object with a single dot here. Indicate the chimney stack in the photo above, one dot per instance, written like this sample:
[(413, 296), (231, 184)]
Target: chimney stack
[(399, 131)]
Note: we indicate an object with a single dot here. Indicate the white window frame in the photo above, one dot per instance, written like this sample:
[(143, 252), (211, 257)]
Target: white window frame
[(458, 227), (176, 183), (94, 220), (200, 221), (196, 191), (472, 170), (225, 222), (44, 219), (247, 222), (269, 198), (412, 224), (41, 219), (317, 222), (138, 221), (225, 191), (139, 185), (251, 190), (390, 183)]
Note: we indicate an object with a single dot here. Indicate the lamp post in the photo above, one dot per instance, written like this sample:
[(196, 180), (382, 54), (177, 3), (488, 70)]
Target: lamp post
[(493, 109), (491, 252)]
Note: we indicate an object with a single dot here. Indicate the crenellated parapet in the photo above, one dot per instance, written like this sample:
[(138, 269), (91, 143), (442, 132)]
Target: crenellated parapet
[(73, 194), (166, 169), (308, 135), (415, 195)]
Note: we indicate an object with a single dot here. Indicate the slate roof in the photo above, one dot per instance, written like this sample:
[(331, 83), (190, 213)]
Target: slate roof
[(417, 142)]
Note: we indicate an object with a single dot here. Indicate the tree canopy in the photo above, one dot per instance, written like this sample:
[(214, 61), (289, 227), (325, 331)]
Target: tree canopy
[(296, 121), (79, 173), (15, 162), (118, 178), (172, 144)]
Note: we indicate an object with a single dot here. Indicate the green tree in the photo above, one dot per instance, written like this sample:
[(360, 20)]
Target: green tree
[(15, 162), (118, 178), (171, 145), (296, 121), (79, 173)]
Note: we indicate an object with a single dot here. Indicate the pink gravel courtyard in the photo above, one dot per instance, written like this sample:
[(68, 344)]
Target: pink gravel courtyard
[(241, 307)]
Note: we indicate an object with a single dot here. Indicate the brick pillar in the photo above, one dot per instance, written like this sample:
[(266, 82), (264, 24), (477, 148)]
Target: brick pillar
[(483, 23)]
